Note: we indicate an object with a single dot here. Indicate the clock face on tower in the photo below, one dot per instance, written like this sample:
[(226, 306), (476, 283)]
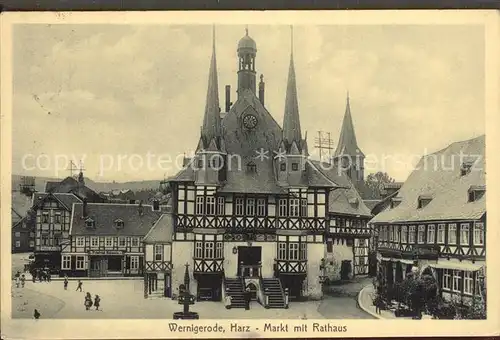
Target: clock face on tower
[(249, 121)]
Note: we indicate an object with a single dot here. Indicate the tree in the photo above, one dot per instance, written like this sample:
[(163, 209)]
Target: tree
[(376, 181)]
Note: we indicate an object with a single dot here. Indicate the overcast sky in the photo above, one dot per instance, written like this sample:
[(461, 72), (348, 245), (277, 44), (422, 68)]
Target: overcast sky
[(128, 90)]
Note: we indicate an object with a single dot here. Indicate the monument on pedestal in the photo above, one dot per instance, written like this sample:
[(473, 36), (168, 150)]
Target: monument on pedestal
[(186, 299)]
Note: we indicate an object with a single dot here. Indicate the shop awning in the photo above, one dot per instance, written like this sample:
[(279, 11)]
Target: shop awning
[(468, 266)]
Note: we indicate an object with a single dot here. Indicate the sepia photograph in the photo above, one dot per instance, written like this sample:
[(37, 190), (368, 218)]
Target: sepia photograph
[(246, 171)]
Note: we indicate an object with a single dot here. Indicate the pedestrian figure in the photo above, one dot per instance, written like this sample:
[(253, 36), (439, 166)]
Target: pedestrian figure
[(97, 302), (36, 314), (33, 276), (88, 301), (378, 304), (23, 280), (17, 282), (65, 282), (49, 277), (80, 283), (227, 302), (247, 296), (17, 274)]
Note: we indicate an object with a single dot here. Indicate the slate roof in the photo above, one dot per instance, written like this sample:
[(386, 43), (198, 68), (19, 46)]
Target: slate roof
[(71, 185), (264, 138), (438, 175), (105, 214), (162, 231), (348, 144), (66, 199), (340, 199)]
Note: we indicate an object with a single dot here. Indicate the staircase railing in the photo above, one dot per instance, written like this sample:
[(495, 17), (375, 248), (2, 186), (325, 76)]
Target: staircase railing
[(263, 297), (284, 293)]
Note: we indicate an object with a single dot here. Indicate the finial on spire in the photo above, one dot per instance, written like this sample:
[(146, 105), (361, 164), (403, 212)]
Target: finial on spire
[(213, 36), (291, 39), (348, 96), (246, 30)]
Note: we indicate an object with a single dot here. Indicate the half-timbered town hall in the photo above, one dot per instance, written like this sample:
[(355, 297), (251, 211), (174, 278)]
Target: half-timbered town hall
[(250, 210)]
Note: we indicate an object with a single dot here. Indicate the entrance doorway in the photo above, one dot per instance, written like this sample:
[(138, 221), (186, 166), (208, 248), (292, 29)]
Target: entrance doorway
[(249, 261), (115, 263), (209, 287), (294, 285), (98, 266)]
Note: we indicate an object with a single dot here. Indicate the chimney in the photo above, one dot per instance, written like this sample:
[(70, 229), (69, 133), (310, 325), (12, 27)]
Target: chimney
[(140, 209), (85, 212), (261, 89), (228, 98)]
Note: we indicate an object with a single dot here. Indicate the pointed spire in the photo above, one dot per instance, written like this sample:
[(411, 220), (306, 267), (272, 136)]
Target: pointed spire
[(348, 144), (291, 120), (246, 30), (211, 120)]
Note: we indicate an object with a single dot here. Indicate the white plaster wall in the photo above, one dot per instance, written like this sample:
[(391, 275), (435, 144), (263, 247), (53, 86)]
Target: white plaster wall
[(182, 253), (268, 256), (341, 252), (230, 259), (313, 287), (149, 252)]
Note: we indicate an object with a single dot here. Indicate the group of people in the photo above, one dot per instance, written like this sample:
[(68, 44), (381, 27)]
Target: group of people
[(42, 274), (88, 301), (20, 279)]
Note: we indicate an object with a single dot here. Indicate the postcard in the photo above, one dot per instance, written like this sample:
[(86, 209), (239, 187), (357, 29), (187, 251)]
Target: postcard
[(249, 174)]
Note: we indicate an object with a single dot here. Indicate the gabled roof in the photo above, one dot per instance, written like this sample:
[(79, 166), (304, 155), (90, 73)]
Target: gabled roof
[(104, 215), (162, 230), (346, 199), (438, 175), (348, 144), (66, 200)]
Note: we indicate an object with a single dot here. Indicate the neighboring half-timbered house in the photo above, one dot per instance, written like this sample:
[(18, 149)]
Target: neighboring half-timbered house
[(106, 239), (53, 216), (346, 253), (158, 258), (437, 221)]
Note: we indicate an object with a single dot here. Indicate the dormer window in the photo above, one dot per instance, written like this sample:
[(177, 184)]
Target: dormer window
[(89, 223), (295, 166), (475, 193), (423, 201), (119, 224), (282, 167), (251, 167), (354, 201), (395, 201)]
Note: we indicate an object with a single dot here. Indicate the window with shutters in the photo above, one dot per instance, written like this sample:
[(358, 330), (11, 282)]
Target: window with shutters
[(221, 208), (457, 278), (421, 234), (294, 207), (479, 234), (282, 207), (411, 238), (464, 234), (250, 206), (261, 207), (431, 234), (281, 251), (134, 262), (239, 205), (66, 262), (158, 252), (200, 203), (404, 234), (293, 251), (441, 233), (198, 249), (468, 282), (452, 234), (210, 207)]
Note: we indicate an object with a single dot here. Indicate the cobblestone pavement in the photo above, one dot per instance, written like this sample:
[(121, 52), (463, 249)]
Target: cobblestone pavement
[(123, 299)]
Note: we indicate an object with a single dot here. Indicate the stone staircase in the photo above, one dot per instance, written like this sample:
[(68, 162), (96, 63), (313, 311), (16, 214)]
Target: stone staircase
[(272, 288), (235, 288)]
